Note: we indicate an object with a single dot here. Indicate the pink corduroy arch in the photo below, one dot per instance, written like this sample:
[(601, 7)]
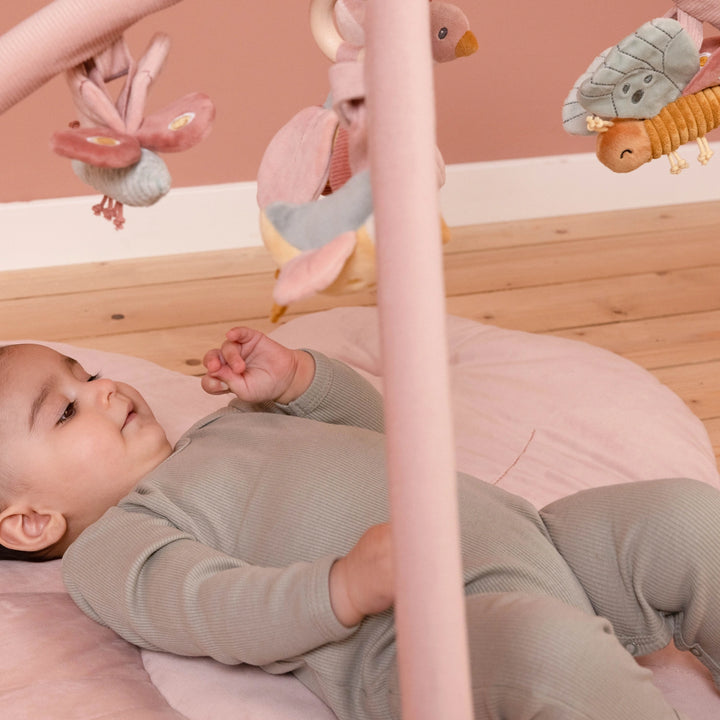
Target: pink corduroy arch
[(433, 661)]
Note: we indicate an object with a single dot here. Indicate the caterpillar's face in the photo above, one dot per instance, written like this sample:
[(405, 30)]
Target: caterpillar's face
[(624, 147)]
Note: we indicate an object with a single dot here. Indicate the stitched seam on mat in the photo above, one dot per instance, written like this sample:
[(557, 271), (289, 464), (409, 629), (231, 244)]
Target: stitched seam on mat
[(517, 459)]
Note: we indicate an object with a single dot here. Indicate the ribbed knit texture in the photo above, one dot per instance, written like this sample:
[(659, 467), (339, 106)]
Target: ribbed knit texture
[(138, 185), (704, 10), (655, 570), (60, 36)]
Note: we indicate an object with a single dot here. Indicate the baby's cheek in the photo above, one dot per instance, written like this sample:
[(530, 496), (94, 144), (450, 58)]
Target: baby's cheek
[(95, 446)]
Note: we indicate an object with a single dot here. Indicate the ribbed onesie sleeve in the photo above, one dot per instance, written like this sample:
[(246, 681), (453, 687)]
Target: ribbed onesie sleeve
[(164, 590), (337, 395)]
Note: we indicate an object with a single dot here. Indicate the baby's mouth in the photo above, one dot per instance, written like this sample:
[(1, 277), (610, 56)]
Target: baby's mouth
[(130, 417)]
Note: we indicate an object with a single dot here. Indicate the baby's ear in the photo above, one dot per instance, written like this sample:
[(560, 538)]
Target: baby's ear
[(28, 530)]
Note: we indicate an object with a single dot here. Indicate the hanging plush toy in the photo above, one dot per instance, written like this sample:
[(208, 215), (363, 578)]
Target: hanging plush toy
[(113, 145), (654, 91), (339, 29), (314, 188)]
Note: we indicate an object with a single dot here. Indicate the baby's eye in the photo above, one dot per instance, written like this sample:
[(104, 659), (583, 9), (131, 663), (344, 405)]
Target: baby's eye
[(71, 409), (68, 414)]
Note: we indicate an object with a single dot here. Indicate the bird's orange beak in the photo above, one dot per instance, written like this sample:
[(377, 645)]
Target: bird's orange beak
[(467, 45)]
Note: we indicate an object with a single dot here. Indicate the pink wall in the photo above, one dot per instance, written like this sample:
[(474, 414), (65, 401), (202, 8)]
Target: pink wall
[(261, 66)]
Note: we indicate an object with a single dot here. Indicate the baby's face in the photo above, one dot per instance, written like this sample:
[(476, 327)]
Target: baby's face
[(76, 443)]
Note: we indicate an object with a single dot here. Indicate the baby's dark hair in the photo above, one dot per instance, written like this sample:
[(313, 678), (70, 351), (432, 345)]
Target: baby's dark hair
[(36, 556)]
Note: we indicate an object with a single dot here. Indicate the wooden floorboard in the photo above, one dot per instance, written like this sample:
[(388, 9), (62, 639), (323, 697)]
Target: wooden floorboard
[(642, 283)]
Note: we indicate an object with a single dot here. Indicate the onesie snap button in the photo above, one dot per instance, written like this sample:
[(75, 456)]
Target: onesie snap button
[(697, 652), (632, 648)]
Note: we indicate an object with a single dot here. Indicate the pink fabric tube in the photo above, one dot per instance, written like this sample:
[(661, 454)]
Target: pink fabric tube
[(60, 36), (430, 609)]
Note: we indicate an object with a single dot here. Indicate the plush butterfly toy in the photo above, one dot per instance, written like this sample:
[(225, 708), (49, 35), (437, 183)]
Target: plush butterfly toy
[(114, 145)]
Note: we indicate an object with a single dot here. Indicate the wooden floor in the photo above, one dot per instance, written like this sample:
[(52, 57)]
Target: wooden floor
[(643, 283)]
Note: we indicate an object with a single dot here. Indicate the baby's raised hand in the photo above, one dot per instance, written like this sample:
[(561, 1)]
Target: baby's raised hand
[(256, 368)]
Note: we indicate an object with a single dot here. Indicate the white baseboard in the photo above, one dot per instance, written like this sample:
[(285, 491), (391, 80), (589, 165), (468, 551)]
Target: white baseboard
[(64, 231), (569, 185), (214, 217)]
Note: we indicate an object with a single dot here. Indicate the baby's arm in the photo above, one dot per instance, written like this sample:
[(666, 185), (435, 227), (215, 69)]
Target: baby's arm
[(257, 369), (167, 591)]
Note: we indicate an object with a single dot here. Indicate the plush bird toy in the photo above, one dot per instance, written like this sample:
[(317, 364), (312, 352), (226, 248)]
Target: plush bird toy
[(339, 29), (314, 189), (654, 91)]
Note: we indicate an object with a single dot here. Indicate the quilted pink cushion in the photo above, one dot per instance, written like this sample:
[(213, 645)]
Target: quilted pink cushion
[(56, 663)]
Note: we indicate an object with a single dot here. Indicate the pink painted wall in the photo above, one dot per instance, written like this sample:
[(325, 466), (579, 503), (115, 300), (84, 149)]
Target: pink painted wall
[(258, 62)]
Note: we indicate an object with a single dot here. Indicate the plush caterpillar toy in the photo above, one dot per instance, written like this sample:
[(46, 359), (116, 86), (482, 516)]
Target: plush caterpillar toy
[(624, 145), (654, 91)]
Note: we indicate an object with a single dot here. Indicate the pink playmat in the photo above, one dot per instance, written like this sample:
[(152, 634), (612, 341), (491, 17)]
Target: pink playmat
[(539, 416)]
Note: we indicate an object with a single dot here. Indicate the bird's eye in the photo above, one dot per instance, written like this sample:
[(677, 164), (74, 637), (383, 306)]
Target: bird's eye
[(627, 150), (442, 33)]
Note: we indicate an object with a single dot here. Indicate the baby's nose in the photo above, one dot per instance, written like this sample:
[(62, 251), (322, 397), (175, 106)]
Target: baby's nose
[(105, 388)]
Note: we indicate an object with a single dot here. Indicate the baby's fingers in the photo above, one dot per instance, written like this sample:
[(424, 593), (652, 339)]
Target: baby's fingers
[(232, 356), (241, 334), (213, 385), (213, 360), (214, 364)]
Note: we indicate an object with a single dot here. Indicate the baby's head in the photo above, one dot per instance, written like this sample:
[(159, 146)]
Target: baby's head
[(73, 444)]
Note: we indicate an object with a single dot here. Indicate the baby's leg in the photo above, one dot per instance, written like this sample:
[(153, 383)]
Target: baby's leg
[(648, 557), (534, 657)]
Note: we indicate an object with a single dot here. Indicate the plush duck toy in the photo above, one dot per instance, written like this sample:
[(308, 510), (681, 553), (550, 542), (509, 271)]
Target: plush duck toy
[(314, 189)]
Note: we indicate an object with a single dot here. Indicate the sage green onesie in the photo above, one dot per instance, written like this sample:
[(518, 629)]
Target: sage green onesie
[(224, 550)]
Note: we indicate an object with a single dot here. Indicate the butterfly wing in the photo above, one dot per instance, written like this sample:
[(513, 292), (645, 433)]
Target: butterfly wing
[(642, 73), (98, 146), (179, 126)]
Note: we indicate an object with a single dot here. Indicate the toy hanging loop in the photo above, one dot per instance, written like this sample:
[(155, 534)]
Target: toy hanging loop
[(60, 36), (323, 28)]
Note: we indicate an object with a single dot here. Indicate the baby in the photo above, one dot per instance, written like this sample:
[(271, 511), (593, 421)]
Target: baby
[(262, 538)]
